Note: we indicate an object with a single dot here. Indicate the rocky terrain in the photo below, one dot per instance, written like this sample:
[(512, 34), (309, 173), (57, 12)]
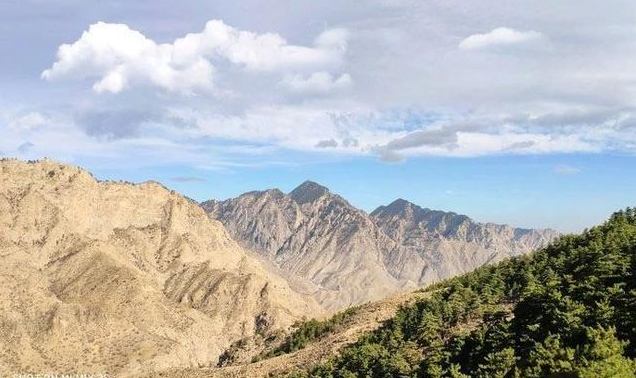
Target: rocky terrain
[(367, 318), (344, 256), (120, 278), (315, 236), (434, 245)]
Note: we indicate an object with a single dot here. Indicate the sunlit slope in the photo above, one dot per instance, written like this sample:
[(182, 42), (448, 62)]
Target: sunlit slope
[(120, 278)]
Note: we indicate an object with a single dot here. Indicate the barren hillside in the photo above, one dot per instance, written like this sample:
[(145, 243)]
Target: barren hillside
[(366, 318), (119, 278)]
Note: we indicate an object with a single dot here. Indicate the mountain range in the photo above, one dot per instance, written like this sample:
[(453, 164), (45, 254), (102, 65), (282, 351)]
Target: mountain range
[(343, 256), (130, 279)]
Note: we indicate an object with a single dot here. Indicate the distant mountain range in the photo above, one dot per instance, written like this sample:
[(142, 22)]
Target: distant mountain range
[(343, 256)]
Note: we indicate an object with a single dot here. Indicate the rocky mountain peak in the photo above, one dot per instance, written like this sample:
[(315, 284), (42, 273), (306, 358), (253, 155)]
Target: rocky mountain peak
[(408, 211), (308, 191), (345, 256), (397, 207), (276, 193)]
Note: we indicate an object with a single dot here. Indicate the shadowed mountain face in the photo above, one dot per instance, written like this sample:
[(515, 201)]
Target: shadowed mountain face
[(435, 245), (344, 256), (119, 278)]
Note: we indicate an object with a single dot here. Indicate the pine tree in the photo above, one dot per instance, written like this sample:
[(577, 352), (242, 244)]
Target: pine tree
[(550, 359), (602, 356), (455, 372), (497, 364)]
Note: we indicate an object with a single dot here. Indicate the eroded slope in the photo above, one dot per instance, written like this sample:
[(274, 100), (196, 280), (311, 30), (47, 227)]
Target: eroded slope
[(119, 278)]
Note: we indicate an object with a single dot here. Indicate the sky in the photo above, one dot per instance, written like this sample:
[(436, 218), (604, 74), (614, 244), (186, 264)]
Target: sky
[(518, 112)]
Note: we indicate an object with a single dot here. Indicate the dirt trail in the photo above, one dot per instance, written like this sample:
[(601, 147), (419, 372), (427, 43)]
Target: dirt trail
[(369, 317)]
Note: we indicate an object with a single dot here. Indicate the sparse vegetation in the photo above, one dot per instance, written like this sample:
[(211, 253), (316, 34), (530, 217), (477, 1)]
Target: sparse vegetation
[(308, 331), (569, 310)]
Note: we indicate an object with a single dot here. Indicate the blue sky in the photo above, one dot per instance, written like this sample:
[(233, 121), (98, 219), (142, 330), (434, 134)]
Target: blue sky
[(568, 192), (519, 113)]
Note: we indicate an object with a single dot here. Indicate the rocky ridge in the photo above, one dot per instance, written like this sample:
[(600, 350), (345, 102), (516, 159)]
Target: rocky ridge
[(343, 256), (313, 235)]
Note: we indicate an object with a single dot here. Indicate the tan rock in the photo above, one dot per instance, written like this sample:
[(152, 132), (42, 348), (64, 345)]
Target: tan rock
[(344, 256), (313, 235), (120, 278)]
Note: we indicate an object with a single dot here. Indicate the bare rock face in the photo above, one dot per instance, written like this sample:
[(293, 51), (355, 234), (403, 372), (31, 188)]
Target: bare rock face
[(119, 278), (434, 245), (269, 216), (316, 238), (344, 256)]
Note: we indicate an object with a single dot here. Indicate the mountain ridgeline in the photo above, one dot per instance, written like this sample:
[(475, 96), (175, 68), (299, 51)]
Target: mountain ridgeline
[(566, 311), (343, 256)]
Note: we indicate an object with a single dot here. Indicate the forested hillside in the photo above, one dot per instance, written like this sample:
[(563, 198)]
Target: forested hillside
[(569, 310)]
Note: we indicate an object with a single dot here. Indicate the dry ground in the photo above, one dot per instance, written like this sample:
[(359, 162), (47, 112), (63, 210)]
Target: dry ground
[(369, 317)]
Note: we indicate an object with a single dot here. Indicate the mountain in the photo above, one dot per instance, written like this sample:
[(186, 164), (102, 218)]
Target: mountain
[(120, 278), (434, 245), (344, 256), (314, 237), (568, 310)]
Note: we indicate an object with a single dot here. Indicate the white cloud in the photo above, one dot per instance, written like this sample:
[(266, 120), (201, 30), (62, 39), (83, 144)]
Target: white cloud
[(28, 122), (313, 127), (121, 57), (260, 52), (317, 83), (574, 93), (482, 143), (499, 37)]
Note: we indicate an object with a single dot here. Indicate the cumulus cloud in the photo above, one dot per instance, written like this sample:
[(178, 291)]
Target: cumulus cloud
[(120, 57), (499, 37), (316, 83), (260, 52)]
